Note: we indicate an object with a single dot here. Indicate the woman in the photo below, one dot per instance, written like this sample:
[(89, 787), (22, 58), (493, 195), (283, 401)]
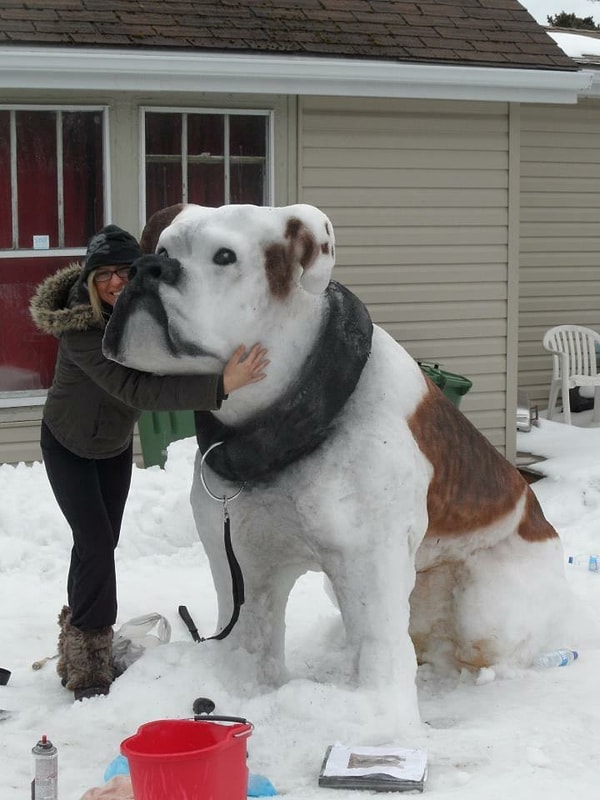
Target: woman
[(86, 439)]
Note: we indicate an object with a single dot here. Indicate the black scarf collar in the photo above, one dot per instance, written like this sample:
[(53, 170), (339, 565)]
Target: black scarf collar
[(300, 420)]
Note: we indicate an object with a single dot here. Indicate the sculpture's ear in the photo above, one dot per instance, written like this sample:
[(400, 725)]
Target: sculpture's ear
[(156, 225), (312, 243)]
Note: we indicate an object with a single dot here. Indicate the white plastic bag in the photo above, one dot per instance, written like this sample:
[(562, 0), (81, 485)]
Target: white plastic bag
[(135, 636)]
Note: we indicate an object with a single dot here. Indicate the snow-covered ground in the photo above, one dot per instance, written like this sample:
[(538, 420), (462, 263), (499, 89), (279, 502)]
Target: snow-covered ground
[(503, 733)]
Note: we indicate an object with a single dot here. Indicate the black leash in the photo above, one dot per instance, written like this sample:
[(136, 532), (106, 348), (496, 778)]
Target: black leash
[(237, 578)]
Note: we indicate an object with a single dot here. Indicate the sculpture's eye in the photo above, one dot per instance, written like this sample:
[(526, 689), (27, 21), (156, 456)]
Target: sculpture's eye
[(162, 251), (224, 256)]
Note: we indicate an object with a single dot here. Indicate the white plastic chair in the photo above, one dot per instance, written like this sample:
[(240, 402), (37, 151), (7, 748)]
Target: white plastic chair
[(574, 364)]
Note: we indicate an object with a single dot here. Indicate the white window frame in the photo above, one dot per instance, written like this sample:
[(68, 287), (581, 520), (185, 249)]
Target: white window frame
[(56, 251), (225, 112)]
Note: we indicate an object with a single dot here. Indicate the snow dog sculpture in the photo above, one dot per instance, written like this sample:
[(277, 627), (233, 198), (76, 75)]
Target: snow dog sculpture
[(354, 463)]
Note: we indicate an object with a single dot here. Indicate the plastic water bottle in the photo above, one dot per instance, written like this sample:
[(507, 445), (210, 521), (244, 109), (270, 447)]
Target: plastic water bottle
[(556, 658), (590, 562), (44, 785)]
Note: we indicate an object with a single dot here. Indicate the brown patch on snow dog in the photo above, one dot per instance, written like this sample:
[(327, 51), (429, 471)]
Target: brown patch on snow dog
[(472, 484)]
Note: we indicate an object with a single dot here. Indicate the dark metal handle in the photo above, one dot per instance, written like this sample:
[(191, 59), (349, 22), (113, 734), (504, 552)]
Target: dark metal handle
[(219, 718)]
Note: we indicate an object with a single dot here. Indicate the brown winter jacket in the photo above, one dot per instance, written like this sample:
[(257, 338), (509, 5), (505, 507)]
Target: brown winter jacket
[(93, 403)]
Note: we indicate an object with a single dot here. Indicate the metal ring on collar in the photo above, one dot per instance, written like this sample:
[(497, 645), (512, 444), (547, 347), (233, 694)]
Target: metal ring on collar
[(222, 498)]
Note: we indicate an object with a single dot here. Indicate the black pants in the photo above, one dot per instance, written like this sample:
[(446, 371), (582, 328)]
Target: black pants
[(91, 494)]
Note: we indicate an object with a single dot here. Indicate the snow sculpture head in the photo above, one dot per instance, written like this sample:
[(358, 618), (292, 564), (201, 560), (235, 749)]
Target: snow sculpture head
[(244, 257)]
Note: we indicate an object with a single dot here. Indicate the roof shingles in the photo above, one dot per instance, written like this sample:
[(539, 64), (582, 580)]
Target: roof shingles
[(478, 32)]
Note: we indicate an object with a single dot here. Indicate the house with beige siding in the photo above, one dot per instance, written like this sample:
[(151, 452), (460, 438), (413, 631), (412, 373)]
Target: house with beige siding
[(559, 251), (452, 145)]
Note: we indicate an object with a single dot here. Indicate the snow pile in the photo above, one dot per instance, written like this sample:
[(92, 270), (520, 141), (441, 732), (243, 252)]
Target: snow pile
[(495, 734)]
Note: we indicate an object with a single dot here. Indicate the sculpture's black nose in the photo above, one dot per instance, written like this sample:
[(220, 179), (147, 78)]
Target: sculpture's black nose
[(149, 270), (146, 276)]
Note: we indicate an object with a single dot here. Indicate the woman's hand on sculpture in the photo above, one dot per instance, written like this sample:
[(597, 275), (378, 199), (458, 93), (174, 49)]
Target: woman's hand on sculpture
[(242, 368)]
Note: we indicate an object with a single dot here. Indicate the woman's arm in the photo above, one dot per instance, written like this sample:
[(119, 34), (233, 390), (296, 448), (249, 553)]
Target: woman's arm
[(148, 392)]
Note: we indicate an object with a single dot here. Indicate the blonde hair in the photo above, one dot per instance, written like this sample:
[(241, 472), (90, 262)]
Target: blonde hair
[(95, 301)]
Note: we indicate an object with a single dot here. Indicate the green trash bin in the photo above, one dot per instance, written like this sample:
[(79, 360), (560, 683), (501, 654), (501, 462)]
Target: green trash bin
[(158, 429), (452, 385)]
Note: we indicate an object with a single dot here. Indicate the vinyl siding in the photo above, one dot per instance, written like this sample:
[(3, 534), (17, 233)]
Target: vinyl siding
[(559, 231), (418, 195), (20, 435), (418, 192)]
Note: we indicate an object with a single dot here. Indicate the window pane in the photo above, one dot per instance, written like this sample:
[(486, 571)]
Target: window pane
[(248, 147), (247, 135), (247, 184), (27, 356), (163, 134), (83, 179), (206, 184), (163, 186), (5, 209), (36, 176), (205, 134), (163, 161)]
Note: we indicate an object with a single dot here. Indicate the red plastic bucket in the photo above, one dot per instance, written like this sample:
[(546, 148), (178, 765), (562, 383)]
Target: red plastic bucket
[(188, 759)]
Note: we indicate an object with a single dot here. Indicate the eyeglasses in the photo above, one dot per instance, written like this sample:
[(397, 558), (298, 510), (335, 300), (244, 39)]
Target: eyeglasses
[(104, 275)]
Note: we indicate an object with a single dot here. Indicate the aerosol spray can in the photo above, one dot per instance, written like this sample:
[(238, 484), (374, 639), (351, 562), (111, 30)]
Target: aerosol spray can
[(44, 785)]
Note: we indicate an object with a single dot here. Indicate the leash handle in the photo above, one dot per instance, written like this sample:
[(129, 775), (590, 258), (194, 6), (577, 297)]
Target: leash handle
[(237, 584), (189, 622)]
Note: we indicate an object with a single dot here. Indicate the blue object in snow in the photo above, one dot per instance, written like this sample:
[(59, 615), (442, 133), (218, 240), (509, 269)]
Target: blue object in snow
[(556, 658), (591, 562), (118, 766), (259, 786)]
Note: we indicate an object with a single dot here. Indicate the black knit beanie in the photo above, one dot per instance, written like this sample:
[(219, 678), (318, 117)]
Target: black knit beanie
[(111, 246)]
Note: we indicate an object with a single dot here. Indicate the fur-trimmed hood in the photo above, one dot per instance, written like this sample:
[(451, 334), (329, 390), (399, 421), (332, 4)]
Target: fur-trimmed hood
[(56, 306)]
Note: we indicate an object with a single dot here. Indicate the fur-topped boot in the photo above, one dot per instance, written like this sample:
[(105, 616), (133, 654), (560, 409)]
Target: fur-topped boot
[(64, 618), (88, 660)]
